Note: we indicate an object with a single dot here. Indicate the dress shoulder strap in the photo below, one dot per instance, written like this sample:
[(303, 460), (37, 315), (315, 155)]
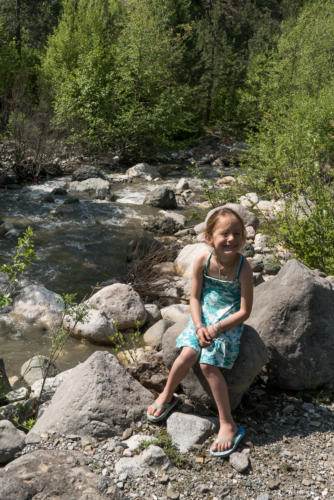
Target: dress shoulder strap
[(241, 261), (208, 261)]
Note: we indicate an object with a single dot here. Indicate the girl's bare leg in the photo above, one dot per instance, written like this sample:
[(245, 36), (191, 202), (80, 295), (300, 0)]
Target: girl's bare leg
[(181, 366), (219, 390)]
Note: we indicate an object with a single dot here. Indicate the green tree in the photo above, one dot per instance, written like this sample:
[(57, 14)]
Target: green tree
[(155, 105), (292, 151), (79, 61)]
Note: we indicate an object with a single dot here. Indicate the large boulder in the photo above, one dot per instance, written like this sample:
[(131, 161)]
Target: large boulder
[(99, 399), (37, 368), (36, 304), (87, 172), (97, 328), (11, 441), (53, 474), (185, 259), (252, 357), (294, 314), (161, 197), (96, 188), (121, 305), (143, 170)]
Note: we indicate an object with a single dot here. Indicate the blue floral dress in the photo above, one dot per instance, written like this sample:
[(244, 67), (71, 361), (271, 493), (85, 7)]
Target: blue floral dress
[(219, 299)]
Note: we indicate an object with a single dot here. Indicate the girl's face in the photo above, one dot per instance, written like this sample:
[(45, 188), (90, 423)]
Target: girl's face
[(227, 237)]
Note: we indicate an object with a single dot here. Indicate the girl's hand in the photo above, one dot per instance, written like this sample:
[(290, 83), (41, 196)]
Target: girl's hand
[(212, 331), (203, 336)]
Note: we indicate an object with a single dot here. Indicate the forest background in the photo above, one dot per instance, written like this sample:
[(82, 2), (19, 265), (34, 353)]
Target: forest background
[(139, 77)]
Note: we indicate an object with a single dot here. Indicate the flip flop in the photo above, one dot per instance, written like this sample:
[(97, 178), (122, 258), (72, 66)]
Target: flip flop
[(235, 441), (168, 408)]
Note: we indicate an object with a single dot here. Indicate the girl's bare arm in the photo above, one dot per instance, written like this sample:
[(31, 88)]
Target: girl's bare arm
[(195, 299)]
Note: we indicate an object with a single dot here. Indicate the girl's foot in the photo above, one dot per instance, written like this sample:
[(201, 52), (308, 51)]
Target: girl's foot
[(226, 434), (161, 407)]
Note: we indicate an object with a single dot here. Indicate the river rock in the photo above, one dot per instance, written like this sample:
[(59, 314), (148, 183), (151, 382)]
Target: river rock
[(252, 357), (100, 399), (153, 336), (11, 441), (37, 368), (187, 430), (175, 312), (97, 188), (87, 172), (38, 305), (153, 314), (51, 474), (97, 328), (294, 314), (143, 170), (161, 225), (161, 197), (152, 457), (121, 305), (184, 261)]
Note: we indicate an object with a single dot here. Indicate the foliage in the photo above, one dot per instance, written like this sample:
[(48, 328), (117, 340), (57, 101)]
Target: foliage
[(122, 341), (164, 441), (23, 258), (73, 313), (293, 149), (215, 194)]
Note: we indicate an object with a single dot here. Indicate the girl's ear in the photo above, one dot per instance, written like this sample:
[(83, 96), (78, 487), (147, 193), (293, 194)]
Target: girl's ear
[(208, 239)]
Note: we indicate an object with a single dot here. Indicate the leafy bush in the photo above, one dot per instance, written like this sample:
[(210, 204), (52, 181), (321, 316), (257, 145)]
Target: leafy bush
[(292, 152)]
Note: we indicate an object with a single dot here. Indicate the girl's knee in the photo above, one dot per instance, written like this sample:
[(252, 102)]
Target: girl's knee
[(189, 355), (209, 370)]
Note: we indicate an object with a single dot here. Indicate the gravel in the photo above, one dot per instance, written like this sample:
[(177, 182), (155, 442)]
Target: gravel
[(289, 445)]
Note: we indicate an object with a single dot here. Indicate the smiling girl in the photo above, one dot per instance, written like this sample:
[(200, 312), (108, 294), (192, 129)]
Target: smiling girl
[(220, 301)]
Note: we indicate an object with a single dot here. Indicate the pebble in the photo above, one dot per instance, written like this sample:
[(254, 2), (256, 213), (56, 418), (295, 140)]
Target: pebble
[(172, 493), (239, 461)]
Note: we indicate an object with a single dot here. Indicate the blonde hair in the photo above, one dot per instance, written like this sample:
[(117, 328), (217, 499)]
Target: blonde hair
[(212, 221)]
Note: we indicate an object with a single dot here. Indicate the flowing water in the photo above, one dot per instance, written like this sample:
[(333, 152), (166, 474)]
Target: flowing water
[(76, 250)]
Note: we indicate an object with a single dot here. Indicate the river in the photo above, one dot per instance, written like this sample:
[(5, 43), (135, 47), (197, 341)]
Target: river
[(76, 250)]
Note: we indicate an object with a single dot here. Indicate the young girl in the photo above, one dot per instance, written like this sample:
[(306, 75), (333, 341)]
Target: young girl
[(221, 299)]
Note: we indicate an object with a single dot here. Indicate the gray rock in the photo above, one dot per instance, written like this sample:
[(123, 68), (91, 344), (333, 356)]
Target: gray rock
[(97, 328), (37, 368), (96, 188), (51, 474), (121, 305), (153, 336), (161, 197), (252, 357), (152, 457), (11, 441), (187, 430), (17, 395), (161, 225), (294, 314), (143, 170), (38, 305), (239, 461), (175, 312), (99, 399), (184, 261), (153, 314), (134, 441), (87, 172)]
